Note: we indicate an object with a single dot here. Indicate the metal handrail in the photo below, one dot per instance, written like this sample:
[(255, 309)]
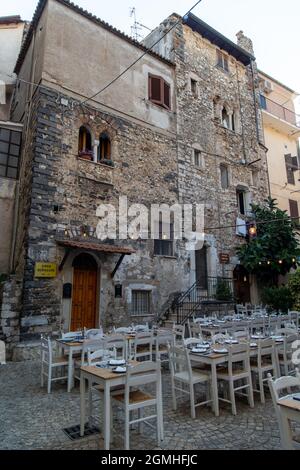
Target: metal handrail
[(280, 111)]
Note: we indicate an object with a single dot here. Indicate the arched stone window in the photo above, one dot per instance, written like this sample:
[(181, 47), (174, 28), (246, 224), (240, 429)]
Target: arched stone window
[(228, 119), (85, 142), (104, 152)]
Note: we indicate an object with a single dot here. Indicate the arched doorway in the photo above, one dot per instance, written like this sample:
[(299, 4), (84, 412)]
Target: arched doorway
[(241, 281), (84, 301)]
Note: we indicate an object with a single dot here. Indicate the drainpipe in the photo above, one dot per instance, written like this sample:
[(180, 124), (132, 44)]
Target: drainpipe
[(255, 102), (241, 114)]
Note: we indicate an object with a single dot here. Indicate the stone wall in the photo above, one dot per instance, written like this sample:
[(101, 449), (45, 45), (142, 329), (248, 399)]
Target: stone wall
[(200, 128), (61, 191)]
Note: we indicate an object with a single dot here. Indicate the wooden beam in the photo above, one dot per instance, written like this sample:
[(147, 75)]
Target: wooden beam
[(68, 251), (117, 266)]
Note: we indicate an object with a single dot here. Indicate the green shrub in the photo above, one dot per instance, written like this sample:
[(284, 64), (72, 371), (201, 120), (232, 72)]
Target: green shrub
[(223, 291), (278, 298), (294, 286)]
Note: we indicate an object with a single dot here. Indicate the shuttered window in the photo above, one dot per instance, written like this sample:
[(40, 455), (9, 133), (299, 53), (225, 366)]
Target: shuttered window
[(294, 210), (290, 169), (159, 91), (141, 302)]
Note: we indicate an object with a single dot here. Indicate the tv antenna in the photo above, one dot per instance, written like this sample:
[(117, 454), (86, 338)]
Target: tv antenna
[(136, 27)]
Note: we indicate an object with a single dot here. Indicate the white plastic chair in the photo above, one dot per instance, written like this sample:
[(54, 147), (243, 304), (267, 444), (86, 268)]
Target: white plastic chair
[(285, 385), (184, 378), (237, 370), (2, 353), (48, 363), (134, 399)]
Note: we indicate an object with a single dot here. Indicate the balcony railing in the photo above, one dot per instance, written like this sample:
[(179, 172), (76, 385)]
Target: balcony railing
[(279, 111)]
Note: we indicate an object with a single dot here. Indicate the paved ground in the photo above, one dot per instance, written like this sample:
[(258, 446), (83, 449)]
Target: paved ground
[(32, 419)]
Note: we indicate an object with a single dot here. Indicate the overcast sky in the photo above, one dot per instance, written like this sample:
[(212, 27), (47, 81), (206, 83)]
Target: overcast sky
[(273, 25)]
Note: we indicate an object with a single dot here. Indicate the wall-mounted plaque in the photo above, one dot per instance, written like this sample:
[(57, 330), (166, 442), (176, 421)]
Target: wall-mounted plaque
[(45, 270)]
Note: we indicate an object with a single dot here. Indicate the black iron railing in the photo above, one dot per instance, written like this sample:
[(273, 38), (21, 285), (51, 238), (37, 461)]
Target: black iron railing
[(190, 302)]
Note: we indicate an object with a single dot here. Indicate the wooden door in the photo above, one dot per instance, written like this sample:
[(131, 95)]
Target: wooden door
[(84, 299), (201, 267)]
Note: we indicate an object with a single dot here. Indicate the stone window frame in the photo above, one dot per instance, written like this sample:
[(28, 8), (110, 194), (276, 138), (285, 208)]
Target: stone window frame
[(193, 78), (244, 188), (225, 165), (141, 287), (197, 148), (98, 131), (219, 106), (221, 54)]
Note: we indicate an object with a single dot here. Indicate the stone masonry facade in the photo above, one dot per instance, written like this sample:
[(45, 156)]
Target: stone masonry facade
[(60, 192)]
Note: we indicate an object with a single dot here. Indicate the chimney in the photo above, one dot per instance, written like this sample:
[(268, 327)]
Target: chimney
[(244, 42)]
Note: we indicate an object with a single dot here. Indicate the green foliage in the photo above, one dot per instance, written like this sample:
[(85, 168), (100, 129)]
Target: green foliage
[(275, 241), (294, 286), (278, 298), (223, 291)]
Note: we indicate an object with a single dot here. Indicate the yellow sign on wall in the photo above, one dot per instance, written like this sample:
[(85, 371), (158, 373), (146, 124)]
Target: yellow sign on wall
[(45, 270)]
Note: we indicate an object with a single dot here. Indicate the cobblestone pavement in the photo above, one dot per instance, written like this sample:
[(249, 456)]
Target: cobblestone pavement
[(32, 419)]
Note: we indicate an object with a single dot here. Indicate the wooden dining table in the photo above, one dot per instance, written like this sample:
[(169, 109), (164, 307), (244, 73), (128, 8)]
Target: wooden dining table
[(213, 360), (107, 379)]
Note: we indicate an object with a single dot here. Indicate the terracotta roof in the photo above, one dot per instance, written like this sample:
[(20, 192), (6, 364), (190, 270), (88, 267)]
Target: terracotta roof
[(37, 15), (10, 19), (94, 246), (218, 39)]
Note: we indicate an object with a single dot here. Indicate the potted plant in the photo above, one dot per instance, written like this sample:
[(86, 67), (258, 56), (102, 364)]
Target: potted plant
[(87, 155)]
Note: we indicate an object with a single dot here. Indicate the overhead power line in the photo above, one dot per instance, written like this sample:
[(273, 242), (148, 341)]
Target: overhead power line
[(140, 57)]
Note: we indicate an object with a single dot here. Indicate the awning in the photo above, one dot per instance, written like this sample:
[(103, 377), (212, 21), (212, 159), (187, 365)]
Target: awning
[(96, 247), (99, 247)]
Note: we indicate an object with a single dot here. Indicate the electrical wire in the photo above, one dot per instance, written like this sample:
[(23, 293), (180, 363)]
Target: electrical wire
[(254, 222), (141, 56)]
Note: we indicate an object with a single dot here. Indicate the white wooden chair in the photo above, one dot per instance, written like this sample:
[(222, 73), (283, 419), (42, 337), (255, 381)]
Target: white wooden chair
[(193, 342), (49, 362), (285, 353), (137, 399), (237, 371), (184, 378), (70, 335), (263, 364), (2, 353), (122, 330), (179, 333), (141, 328), (90, 345), (220, 338), (280, 388), (195, 330), (143, 346), (94, 333), (240, 332), (118, 342), (161, 341)]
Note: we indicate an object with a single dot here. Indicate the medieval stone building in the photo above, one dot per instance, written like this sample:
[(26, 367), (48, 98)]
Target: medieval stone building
[(181, 126)]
